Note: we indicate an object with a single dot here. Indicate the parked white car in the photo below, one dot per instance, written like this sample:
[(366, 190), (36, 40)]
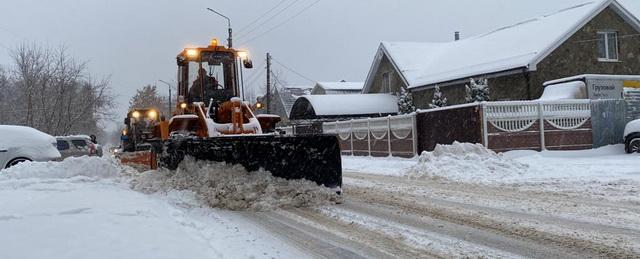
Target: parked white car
[(632, 137), (20, 144)]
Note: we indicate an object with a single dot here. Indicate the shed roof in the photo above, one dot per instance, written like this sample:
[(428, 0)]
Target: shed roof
[(344, 105), (521, 45)]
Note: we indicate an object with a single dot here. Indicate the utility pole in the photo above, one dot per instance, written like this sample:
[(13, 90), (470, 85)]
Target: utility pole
[(268, 83), (169, 85)]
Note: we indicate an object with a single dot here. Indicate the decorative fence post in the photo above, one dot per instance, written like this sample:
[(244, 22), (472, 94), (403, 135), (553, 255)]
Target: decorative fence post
[(351, 136), (414, 131), (541, 114), (389, 133), (485, 127), (369, 135)]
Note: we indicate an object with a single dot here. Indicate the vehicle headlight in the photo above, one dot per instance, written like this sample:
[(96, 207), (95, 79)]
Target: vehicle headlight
[(152, 115)]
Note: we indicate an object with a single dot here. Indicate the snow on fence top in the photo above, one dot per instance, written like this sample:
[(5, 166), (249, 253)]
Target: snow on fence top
[(519, 45)]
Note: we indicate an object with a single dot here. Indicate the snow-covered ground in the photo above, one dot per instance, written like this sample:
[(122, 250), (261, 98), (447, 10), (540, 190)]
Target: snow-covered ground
[(85, 208), (607, 172), (459, 201)]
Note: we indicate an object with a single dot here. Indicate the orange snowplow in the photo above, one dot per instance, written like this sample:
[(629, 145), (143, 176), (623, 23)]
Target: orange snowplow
[(143, 129), (212, 122)]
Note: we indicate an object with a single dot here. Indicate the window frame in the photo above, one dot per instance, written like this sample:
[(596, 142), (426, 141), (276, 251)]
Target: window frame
[(386, 82), (607, 34)]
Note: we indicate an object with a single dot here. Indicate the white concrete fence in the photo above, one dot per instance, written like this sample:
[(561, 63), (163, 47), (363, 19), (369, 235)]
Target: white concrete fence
[(396, 133), (519, 116)]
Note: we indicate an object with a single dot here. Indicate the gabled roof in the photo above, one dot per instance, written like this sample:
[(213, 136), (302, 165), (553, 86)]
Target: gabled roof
[(341, 86), (521, 45), (289, 95)]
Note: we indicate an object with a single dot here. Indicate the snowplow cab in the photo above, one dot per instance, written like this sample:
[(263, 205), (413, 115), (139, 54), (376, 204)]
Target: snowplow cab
[(209, 74)]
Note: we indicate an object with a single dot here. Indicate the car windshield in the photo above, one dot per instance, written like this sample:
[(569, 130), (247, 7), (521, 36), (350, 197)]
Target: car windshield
[(79, 143)]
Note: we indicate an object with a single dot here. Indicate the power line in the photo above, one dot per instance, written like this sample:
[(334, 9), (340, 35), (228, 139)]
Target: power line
[(282, 23), (619, 36), (256, 76), (293, 71), (277, 81), (261, 16), (269, 19)]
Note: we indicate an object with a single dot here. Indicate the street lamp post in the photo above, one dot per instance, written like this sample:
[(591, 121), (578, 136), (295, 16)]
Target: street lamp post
[(169, 85), (229, 40)]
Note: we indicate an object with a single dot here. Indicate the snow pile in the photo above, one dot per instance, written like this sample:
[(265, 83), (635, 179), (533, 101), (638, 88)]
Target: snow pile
[(92, 167), (465, 162), (232, 187)]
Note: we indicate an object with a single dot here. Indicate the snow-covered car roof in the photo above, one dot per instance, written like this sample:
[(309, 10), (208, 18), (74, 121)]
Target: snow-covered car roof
[(19, 135), (74, 137)]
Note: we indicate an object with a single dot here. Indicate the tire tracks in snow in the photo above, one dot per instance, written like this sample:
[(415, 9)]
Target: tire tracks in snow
[(516, 227), (325, 237), (393, 217)]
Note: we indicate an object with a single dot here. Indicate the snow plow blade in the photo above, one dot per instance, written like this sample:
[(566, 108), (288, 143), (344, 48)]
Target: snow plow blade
[(139, 159), (314, 157)]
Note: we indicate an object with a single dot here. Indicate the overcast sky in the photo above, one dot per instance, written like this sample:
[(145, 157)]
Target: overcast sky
[(135, 42)]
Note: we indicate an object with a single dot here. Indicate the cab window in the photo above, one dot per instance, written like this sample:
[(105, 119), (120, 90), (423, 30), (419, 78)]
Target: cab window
[(62, 145)]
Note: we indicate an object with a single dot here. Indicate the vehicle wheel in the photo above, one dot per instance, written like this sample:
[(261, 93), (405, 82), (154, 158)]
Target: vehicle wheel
[(634, 146), (17, 161)]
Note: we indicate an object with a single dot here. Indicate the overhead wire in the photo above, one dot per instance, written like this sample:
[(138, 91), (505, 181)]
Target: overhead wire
[(293, 71), (269, 19), (261, 16), (282, 23)]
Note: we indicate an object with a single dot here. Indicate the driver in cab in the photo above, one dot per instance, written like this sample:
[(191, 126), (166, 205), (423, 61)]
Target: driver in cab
[(210, 84)]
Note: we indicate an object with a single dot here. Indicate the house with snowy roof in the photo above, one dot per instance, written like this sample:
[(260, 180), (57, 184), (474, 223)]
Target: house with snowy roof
[(596, 37), (283, 99), (342, 87)]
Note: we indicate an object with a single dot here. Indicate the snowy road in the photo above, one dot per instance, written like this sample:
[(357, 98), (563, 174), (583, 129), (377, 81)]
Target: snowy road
[(391, 217), (531, 205)]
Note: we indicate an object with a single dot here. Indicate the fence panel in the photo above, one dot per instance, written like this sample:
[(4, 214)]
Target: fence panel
[(386, 136), (462, 123), (563, 124), (608, 121)]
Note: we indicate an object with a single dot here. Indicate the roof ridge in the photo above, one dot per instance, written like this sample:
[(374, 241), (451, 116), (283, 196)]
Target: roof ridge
[(536, 18)]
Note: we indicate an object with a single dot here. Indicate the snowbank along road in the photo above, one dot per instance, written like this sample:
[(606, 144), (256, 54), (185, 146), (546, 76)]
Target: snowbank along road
[(458, 201)]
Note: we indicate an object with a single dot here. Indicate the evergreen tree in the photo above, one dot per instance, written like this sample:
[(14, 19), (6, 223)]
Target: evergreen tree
[(438, 99), (405, 102), (477, 90), (148, 97)]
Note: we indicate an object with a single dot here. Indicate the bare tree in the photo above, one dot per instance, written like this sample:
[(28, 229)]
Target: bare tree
[(54, 92)]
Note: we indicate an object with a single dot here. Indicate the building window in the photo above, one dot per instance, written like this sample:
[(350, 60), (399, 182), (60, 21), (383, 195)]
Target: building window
[(608, 46), (386, 82)]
